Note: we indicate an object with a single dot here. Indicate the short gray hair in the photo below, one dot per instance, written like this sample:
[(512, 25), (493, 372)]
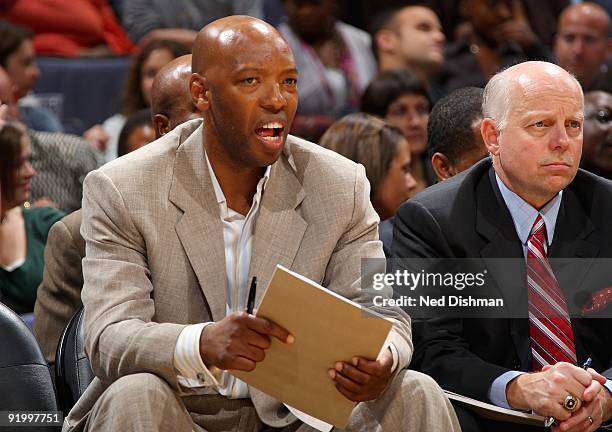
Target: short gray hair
[(496, 100)]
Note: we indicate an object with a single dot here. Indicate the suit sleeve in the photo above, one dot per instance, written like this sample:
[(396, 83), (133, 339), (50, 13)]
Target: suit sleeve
[(121, 338), (344, 270), (441, 350), (59, 294)]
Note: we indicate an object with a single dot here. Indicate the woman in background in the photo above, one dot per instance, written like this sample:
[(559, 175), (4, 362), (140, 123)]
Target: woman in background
[(137, 89), (402, 100), (382, 150), (23, 232)]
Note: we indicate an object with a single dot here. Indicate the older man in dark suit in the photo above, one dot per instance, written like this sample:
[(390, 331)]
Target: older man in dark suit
[(528, 200)]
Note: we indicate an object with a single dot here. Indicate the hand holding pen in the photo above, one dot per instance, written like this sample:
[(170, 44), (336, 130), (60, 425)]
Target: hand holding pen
[(240, 339)]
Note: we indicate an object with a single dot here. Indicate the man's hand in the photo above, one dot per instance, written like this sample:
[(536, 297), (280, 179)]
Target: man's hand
[(544, 392), (519, 32), (97, 137), (596, 404), (239, 341), (363, 379)]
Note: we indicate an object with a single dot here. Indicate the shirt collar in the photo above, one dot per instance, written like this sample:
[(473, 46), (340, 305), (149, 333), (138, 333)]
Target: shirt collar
[(524, 215), (261, 185)]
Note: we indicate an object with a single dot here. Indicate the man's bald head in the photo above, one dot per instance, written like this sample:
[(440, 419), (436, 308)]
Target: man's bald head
[(215, 42), (509, 86), (582, 41), (171, 102), (589, 13)]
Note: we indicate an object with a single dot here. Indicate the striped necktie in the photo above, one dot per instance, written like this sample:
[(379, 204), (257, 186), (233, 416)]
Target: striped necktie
[(550, 329)]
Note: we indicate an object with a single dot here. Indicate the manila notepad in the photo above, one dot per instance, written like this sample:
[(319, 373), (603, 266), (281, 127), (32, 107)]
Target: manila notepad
[(327, 328)]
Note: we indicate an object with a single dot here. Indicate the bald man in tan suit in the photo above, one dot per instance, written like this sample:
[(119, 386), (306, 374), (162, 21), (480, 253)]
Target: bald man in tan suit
[(175, 230)]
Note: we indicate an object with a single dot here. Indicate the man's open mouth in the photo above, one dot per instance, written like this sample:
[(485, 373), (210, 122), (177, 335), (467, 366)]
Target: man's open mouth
[(270, 131)]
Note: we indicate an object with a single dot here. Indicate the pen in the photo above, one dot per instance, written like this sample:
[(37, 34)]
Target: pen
[(251, 299), (550, 420)]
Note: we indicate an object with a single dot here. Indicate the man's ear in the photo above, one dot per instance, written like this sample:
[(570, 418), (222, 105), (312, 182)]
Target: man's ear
[(442, 166), (161, 124), (385, 40), (198, 87), (490, 135)]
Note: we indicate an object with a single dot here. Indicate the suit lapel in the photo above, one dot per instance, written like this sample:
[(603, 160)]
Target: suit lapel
[(503, 258), (571, 231), (279, 228), (199, 228)]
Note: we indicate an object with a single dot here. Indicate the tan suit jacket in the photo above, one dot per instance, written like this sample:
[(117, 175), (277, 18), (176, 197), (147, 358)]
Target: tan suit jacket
[(59, 294), (155, 253)]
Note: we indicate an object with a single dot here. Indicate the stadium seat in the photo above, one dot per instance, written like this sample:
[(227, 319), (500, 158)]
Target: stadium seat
[(25, 378), (72, 369)]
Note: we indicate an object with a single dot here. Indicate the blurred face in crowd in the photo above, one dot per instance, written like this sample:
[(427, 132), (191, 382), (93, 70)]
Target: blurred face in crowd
[(22, 70), (478, 152), (397, 185), (597, 152), (140, 137), (582, 40), (310, 19), (156, 60), (538, 152), (409, 113), (419, 40), (486, 16), (23, 173)]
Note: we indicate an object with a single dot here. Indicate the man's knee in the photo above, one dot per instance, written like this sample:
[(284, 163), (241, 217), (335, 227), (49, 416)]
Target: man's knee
[(417, 384), (142, 388)]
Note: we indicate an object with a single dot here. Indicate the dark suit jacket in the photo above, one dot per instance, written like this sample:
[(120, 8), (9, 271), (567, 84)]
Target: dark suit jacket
[(466, 217)]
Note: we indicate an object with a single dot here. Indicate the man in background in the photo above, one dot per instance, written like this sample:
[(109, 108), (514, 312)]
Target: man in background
[(583, 43)]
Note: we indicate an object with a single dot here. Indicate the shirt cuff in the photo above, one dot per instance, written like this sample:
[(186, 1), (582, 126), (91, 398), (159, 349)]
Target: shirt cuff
[(395, 356), (187, 360), (497, 392)]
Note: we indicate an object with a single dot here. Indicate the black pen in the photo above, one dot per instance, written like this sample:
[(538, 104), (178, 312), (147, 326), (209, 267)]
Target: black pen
[(550, 420), (252, 291)]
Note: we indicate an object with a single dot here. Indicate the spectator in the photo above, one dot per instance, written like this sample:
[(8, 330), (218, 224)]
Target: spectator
[(171, 102), (409, 37), (179, 20), (583, 43), (23, 232), (499, 36), (61, 160), (335, 62), (70, 28), (137, 132), (137, 90), (17, 57), (597, 147), (382, 150), (453, 132), (399, 98)]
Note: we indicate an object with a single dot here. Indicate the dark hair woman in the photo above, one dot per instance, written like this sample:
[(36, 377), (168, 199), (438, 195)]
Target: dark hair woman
[(23, 232)]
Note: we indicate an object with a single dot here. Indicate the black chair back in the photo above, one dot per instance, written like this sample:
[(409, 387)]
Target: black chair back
[(25, 380), (72, 368)]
